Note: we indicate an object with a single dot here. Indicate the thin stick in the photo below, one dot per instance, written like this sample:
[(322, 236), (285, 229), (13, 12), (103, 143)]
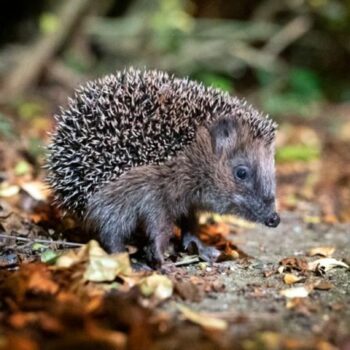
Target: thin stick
[(183, 262), (44, 241)]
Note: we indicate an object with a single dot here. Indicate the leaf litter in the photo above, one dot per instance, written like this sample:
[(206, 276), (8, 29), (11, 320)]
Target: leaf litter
[(115, 306)]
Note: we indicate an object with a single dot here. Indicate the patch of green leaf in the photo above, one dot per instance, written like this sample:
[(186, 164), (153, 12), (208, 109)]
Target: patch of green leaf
[(76, 62), (299, 92), (36, 147), (28, 110), (22, 168), (49, 256), (215, 80), (265, 77), (288, 104), (6, 128), (305, 83), (39, 247), (299, 152), (48, 23)]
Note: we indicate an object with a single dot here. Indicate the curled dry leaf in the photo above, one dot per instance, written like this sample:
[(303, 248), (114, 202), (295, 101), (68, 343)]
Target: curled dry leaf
[(107, 268), (36, 189), (325, 264), (289, 278), (30, 278), (297, 292), (322, 284), (157, 285), (100, 267), (293, 263), (7, 190), (203, 319), (188, 290), (323, 251), (303, 306)]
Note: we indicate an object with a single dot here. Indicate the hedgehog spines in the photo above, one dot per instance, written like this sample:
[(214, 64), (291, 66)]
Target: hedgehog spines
[(129, 119)]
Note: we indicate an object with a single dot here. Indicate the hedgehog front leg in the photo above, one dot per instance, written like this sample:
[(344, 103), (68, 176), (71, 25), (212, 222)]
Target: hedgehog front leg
[(189, 228), (158, 230), (110, 219)]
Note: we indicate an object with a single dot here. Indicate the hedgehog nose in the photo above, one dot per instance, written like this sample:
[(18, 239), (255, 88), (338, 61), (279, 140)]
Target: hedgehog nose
[(272, 220)]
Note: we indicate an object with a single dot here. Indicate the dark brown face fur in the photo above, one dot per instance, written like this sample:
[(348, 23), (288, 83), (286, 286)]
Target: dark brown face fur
[(241, 173)]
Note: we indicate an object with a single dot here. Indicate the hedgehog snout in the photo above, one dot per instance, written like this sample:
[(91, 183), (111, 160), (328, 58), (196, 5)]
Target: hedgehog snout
[(272, 220)]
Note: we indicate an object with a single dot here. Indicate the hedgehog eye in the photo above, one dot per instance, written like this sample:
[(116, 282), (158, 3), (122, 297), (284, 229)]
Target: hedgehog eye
[(241, 172)]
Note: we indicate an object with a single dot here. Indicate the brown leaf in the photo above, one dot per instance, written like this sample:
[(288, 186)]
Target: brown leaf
[(325, 264), (289, 278), (159, 286), (203, 319), (301, 305), (100, 266), (323, 251), (35, 278), (322, 284), (188, 291), (36, 189), (19, 342), (290, 263)]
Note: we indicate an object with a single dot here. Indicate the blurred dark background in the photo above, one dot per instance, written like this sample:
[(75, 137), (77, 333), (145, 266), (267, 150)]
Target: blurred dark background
[(291, 58)]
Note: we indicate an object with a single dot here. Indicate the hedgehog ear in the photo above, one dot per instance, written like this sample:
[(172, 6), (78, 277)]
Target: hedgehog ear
[(223, 135)]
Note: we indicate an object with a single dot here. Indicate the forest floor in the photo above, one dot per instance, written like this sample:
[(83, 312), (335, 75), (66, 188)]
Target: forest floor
[(283, 288), (235, 304)]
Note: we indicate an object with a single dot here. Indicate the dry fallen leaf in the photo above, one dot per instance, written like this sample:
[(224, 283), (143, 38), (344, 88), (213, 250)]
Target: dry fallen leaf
[(107, 268), (323, 251), (7, 190), (302, 305), (297, 292), (34, 278), (299, 264), (289, 278), (322, 284), (203, 319), (157, 285), (325, 264), (36, 189), (100, 267), (312, 219)]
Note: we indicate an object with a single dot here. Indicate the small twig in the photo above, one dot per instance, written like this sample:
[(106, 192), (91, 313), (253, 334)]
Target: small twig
[(292, 31), (183, 262), (44, 241)]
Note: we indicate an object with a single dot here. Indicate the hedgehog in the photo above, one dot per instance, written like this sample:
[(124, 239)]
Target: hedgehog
[(138, 152)]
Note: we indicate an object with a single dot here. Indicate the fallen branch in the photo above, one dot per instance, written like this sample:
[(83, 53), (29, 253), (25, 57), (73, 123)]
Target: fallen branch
[(287, 35), (43, 241), (32, 64)]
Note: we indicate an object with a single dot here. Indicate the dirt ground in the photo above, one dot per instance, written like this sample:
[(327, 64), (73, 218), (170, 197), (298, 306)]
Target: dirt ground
[(251, 296)]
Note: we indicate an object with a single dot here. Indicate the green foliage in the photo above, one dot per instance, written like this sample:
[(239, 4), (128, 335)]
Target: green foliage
[(36, 148), (6, 128), (22, 168), (48, 22), (77, 62), (299, 152), (28, 110), (215, 80), (49, 256), (168, 22), (305, 83), (297, 93)]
